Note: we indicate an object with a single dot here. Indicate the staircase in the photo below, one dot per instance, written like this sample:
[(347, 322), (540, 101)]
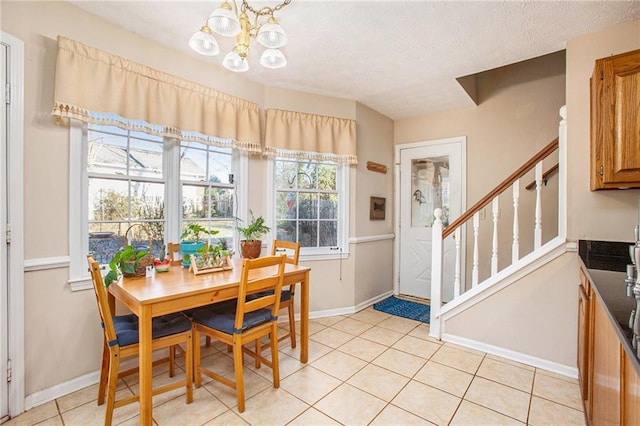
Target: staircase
[(492, 267)]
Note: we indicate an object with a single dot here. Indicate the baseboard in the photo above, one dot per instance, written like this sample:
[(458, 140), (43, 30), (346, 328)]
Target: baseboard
[(60, 390), (73, 385), (564, 370)]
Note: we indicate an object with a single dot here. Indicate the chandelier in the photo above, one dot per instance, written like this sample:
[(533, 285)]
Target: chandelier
[(243, 23)]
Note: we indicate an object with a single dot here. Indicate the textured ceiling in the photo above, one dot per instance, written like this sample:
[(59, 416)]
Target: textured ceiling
[(400, 58)]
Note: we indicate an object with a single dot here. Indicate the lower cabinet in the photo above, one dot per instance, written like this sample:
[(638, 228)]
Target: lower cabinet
[(584, 341), (609, 383), (605, 390), (631, 392)]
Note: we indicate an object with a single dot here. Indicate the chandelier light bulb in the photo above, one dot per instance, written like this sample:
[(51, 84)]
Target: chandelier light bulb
[(234, 62), (224, 21), (203, 42), (273, 59), (272, 35)]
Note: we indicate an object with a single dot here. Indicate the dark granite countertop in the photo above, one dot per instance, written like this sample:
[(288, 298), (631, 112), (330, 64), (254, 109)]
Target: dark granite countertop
[(607, 275)]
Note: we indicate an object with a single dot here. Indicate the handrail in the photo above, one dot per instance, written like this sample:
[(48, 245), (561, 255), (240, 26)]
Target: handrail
[(542, 154), (545, 176)]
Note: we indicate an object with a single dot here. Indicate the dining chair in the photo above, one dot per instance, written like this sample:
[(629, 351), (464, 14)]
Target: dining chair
[(174, 248), (249, 320), (292, 251), (121, 341)]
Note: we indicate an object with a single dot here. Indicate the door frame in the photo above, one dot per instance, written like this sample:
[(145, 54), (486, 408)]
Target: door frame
[(462, 140), (15, 187)]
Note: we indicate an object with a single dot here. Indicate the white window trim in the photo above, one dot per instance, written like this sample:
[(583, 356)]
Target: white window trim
[(317, 253), (79, 278)]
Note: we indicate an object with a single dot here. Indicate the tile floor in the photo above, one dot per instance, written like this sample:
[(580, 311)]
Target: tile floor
[(365, 368)]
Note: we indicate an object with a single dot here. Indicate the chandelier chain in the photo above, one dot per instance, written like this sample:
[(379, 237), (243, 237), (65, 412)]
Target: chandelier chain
[(265, 10)]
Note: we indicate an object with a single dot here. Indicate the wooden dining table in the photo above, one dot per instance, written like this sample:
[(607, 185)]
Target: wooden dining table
[(178, 290)]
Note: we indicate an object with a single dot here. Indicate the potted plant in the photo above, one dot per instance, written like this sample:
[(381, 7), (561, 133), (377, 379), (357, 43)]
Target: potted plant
[(191, 241), (162, 263), (251, 245), (129, 261)]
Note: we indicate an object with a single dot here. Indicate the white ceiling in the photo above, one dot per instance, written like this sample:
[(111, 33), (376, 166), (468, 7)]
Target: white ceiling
[(400, 58)]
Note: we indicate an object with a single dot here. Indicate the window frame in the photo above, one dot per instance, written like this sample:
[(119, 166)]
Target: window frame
[(341, 251), (79, 277)]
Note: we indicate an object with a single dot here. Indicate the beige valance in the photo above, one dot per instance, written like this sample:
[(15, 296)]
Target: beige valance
[(310, 136), (97, 87)]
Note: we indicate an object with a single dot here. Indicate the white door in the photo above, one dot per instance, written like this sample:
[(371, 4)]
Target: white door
[(4, 331), (432, 175)]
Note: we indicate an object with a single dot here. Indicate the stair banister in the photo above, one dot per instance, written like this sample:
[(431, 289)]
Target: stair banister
[(439, 233)]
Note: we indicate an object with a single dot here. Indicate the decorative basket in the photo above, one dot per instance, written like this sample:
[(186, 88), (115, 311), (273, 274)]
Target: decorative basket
[(139, 265)]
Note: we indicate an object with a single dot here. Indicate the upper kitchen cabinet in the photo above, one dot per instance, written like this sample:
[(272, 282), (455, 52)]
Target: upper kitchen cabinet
[(615, 122)]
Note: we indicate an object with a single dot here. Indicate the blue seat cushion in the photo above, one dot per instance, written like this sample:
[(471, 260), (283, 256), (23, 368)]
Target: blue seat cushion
[(127, 327), (284, 295), (220, 306), (225, 321)]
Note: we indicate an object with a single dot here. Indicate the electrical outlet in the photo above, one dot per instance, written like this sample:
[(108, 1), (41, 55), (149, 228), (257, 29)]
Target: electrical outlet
[(483, 214)]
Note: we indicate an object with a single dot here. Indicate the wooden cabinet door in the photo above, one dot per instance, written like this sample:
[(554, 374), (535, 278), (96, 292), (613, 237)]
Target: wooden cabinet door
[(615, 126), (631, 394), (605, 392), (584, 346)]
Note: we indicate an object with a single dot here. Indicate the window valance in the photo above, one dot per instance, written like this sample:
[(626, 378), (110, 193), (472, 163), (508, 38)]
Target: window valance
[(310, 136), (97, 87)]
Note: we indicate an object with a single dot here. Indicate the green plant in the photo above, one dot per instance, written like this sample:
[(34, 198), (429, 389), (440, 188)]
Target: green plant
[(126, 260), (193, 230), (255, 229)]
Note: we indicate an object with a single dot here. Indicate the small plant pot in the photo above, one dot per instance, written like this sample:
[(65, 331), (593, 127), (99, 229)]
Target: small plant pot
[(250, 249), (162, 266), (189, 248)]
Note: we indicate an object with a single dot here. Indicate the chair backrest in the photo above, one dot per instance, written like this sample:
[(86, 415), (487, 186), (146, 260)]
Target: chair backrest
[(261, 277), (291, 249), (103, 300), (172, 249)]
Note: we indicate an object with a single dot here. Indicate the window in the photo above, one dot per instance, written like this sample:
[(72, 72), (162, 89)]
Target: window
[(208, 188), (310, 204), (125, 187), (121, 177)]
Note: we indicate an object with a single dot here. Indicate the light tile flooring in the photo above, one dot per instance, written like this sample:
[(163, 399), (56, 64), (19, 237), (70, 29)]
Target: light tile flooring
[(366, 368)]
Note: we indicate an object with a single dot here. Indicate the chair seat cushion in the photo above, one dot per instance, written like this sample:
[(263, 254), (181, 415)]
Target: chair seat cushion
[(127, 327), (284, 295), (220, 306), (225, 321)]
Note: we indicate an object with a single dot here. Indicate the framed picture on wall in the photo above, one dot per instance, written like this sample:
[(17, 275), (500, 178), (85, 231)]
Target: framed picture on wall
[(377, 208)]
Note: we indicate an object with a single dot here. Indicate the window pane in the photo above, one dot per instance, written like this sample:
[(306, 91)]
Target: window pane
[(307, 175), (286, 230), (308, 233), (328, 234), (219, 167), (193, 164), (285, 174), (147, 200), (108, 200), (286, 205), (327, 177), (195, 202), (107, 154), (222, 202), (308, 205), (145, 159), (204, 163), (328, 206)]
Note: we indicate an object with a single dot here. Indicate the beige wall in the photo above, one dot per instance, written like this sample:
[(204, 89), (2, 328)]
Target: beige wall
[(62, 330), (536, 316), (374, 259), (601, 215)]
